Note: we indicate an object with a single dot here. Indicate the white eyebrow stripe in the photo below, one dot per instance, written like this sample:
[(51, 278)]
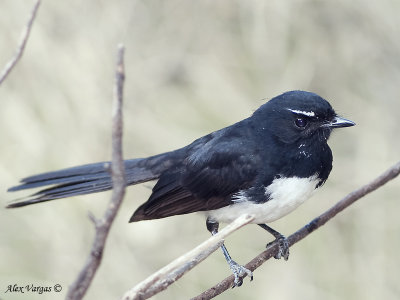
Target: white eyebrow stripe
[(305, 113)]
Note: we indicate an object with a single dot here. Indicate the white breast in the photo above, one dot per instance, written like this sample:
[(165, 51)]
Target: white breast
[(286, 194)]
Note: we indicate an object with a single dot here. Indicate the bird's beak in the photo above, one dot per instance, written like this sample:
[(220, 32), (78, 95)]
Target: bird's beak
[(339, 122)]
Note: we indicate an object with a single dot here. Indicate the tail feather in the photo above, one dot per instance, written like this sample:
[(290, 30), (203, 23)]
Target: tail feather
[(28, 184), (89, 170), (91, 178)]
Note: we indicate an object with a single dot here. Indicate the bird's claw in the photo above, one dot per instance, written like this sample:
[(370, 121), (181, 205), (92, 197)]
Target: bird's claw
[(283, 250), (239, 272)]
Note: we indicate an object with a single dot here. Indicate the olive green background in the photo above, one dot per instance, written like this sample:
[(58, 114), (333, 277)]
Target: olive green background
[(193, 67)]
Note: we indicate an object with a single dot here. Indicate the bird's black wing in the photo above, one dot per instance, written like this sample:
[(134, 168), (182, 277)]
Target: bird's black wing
[(205, 180)]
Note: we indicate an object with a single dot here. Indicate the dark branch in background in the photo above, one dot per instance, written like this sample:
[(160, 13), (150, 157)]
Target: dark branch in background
[(300, 234), (20, 50), (78, 289)]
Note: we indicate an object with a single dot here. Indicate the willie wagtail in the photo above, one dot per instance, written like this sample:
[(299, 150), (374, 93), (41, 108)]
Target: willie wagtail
[(265, 165)]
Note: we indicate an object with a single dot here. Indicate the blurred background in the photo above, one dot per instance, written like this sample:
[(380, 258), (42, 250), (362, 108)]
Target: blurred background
[(193, 67)]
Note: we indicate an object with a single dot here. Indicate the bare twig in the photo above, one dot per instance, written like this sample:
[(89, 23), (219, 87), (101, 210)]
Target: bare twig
[(20, 50), (78, 289), (300, 234), (160, 280)]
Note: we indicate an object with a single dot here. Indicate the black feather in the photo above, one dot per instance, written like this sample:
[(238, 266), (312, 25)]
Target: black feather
[(91, 178)]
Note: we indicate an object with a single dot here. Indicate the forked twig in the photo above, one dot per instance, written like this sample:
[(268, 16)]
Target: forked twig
[(78, 289)]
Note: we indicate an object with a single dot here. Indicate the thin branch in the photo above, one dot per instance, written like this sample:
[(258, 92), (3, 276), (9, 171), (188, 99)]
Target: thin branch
[(300, 234), (160, 280), (78, 289), (20, 50)]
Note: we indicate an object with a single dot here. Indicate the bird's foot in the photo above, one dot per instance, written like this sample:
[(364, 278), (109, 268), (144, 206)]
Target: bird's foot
[(283, 245), (239, 272)]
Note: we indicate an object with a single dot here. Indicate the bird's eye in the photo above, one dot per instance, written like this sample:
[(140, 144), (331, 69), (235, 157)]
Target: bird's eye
[(300, 122)]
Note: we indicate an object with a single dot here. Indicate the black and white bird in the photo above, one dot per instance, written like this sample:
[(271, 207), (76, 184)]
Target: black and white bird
[(265, 165)]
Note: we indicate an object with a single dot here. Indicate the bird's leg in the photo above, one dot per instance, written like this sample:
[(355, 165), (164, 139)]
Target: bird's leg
[(238, 271), (282, 242)]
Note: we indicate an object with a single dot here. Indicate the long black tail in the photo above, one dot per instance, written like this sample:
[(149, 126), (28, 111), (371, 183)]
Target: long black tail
[(91, 178)]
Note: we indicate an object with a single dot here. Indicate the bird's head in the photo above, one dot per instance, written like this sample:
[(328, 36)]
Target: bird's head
[(299, 115)]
